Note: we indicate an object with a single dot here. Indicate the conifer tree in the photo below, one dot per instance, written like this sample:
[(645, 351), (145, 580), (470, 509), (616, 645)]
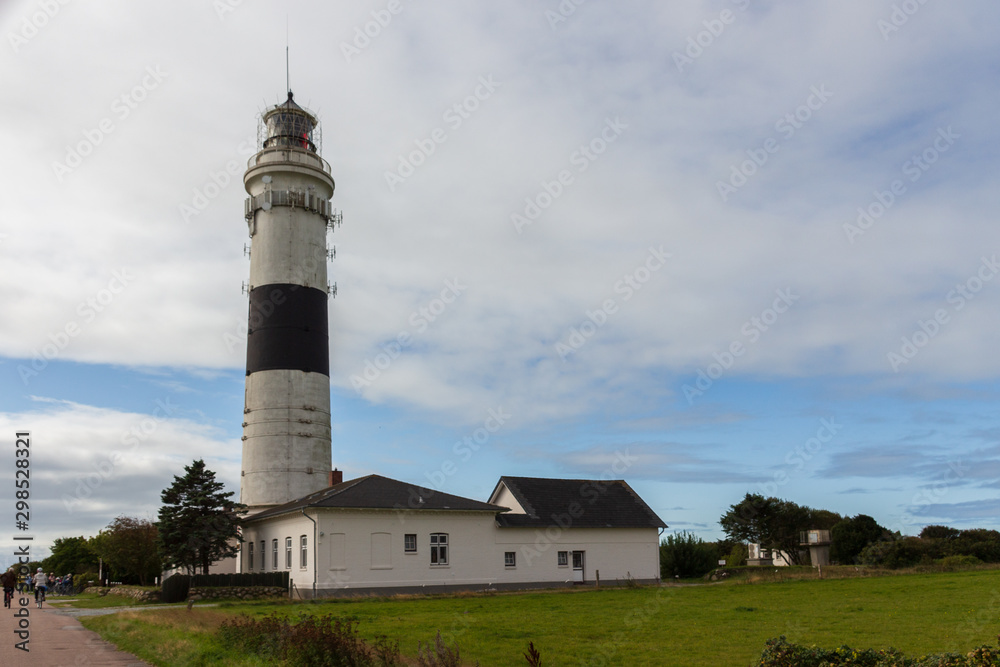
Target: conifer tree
[(198, 522)]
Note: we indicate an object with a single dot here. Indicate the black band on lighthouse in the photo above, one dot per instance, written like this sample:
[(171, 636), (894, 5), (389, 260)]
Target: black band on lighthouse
[(287, 329)]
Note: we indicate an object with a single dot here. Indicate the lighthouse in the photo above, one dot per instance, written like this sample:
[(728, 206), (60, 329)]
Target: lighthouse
[(286, 415)]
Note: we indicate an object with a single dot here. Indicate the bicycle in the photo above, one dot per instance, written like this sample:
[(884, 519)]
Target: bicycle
[(8, 595), (39, 599)]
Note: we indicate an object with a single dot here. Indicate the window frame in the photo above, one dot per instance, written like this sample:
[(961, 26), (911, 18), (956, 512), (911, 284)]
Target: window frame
[(274, 553), (249, 556), (303, 552), (562, 559), (510, 559), (288, 552), (410, 543), (439, 550)]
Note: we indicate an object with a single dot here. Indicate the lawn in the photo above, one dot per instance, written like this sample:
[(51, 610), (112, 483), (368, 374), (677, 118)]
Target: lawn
[(721, 624)]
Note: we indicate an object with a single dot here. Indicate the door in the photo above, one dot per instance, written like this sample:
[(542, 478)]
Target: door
[(578, 561)]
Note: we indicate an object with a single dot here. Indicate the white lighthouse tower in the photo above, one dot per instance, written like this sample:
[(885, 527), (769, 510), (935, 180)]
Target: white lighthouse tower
[(286, 424)]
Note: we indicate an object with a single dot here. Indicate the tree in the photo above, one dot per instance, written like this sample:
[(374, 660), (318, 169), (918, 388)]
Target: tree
[(684, 555), (70, 555), (129, 548), (850, 536), (770, 522), (938, 533), (198, 522), (750, 519)]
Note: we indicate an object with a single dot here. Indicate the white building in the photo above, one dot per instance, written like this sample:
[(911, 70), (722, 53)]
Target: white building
[(378, 534)]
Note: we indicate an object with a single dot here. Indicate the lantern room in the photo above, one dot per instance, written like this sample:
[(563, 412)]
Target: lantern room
[(288, 125)]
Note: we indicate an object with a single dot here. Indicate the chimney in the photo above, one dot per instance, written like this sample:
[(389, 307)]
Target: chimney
[(336, 476)]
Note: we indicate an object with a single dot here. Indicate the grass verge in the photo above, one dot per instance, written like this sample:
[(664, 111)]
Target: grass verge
[(693, 626)]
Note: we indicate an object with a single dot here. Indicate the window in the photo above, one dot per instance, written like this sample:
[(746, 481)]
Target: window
[(303, 552), (274, 554), (563, 559), (410, 543), (250, 556), (439, 548), (288, 553), (263, 555), (509, 559)]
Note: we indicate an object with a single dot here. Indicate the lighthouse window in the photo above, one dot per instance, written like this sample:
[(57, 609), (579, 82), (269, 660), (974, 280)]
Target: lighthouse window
[(439, 548)]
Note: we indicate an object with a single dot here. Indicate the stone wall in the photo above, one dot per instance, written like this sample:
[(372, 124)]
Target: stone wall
[(136, 593), (237, 592)]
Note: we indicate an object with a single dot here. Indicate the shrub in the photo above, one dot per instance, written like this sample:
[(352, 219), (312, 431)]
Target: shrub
[(684, 555), (951, 563), (738, 556), (440, 655), (313, 641), (906, 552), (80, 581), (780, 653)]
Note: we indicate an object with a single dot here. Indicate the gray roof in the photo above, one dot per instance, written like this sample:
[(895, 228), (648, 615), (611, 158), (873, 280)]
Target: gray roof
[(377, 492), (583, 503)]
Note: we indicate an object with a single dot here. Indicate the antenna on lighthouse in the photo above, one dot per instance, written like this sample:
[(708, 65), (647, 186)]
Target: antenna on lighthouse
[(288, 82)]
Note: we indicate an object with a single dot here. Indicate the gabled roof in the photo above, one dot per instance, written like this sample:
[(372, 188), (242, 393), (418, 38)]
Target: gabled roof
[(581, 503), (377, 492)]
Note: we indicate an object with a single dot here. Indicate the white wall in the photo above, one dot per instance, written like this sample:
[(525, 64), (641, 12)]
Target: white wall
[(365, 549)]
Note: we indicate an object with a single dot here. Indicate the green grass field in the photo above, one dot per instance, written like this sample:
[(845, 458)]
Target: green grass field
[(718, 625)]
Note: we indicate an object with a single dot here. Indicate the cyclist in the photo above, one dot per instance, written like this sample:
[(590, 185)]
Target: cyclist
[(8, 579), (41, 584)]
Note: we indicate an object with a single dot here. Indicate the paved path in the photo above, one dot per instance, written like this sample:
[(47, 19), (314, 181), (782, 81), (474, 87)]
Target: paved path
[(57, 639)]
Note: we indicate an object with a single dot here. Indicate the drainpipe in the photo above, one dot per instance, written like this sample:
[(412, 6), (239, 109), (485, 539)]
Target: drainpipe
[(659, 579), (314, 550)]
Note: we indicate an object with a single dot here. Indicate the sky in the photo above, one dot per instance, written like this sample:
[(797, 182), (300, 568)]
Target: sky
[(708, 247)]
